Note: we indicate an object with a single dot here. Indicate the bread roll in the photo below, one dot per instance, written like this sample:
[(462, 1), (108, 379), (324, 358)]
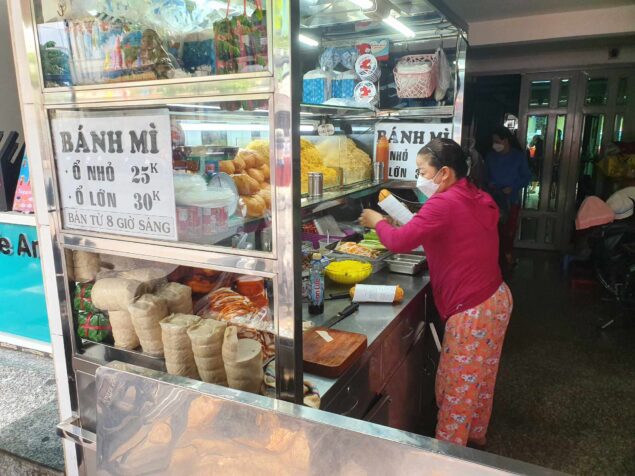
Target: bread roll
[(239, 164), (246, 185), (265, 171), (207, 345), (255, 205), (146, 314), (399, 294), (122, 330), (243, 362), (383, 193), (116, 294), (227, 166), (266, 195), (251, 157), (256, 174)]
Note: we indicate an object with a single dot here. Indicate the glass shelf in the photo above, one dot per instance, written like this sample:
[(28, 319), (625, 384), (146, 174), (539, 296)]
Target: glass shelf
[(328, 110), (319, 110), (334, 198)]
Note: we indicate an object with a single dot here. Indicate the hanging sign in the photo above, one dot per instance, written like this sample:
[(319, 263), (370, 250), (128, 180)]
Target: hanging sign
[(406, 140), (115, 172)]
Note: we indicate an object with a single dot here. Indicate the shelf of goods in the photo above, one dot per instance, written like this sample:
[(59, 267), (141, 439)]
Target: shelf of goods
[(178, 153)]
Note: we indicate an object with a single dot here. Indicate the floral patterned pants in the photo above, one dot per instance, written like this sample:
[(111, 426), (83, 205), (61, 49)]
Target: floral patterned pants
[(468, 366)]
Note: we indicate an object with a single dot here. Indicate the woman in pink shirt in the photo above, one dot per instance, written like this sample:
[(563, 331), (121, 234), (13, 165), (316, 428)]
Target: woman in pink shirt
[(457, 227)]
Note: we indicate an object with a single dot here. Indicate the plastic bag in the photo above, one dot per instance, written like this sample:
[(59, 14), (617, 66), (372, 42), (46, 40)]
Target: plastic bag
[(445, 75)]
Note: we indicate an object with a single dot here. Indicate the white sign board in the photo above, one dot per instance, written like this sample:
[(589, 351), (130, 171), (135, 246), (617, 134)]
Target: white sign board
[(114, 172), (406, 140)]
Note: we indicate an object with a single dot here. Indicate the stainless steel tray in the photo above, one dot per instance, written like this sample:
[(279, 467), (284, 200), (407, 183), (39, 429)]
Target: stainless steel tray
[(406, 264)]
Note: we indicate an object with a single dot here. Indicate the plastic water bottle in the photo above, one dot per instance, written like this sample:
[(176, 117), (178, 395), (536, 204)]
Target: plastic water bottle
[(316, 283)]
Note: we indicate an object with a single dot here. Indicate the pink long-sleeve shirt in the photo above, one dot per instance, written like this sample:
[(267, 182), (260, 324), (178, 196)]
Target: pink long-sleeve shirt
[(458, 231)]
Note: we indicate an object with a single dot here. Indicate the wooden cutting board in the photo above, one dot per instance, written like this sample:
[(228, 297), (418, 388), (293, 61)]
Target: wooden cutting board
[(331, 359)]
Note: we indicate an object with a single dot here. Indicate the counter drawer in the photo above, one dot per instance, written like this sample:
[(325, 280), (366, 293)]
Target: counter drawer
[(360, 391), (399, 342)]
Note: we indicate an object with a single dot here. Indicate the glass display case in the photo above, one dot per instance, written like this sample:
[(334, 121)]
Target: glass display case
[(176, 140), (90, 43), (197, 173)]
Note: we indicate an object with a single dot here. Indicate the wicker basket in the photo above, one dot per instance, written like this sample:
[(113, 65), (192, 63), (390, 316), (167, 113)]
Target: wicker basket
[(411, 85)]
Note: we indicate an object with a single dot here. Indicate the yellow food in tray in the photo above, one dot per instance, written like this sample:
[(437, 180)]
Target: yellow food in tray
[(348, 271), (311, 161), (340, 151)]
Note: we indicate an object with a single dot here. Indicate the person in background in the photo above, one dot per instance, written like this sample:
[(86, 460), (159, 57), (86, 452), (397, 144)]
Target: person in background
[(507, 174), (457, 227)]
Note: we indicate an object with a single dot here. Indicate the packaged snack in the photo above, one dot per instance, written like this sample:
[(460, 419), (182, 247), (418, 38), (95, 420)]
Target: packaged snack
[(93, 326)]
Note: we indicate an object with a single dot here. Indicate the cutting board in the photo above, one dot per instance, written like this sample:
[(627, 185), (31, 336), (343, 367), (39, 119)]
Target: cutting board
[(331, 359)]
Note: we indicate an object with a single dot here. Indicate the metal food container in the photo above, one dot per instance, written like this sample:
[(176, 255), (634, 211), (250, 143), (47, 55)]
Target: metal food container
[(406, 264)]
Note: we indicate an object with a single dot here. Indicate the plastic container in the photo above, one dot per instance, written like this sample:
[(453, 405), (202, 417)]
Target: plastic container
[(349, 271)]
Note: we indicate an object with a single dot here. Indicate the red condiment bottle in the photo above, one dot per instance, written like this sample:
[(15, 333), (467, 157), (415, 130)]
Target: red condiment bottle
[(382, 153)]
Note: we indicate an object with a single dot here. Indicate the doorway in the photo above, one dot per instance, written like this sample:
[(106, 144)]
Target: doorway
[(566, 118)]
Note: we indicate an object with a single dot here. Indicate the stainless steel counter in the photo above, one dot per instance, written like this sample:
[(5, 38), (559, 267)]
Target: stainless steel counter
[(373, 320)]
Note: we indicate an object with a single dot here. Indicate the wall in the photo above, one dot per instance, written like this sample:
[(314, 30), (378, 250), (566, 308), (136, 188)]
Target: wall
[(573, 24), (552, 55), (10, 105)]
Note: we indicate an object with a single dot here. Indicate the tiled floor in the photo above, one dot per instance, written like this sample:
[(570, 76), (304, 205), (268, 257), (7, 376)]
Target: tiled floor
[(565, 397), (28, 415)]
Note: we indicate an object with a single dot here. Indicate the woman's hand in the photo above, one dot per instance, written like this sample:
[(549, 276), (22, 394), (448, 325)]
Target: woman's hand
[(369, 218)]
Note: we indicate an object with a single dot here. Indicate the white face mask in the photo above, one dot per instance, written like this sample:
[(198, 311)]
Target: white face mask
[(498, 147), (427, 186)]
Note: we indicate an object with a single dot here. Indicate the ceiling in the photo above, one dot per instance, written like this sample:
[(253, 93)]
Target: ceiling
[(479, 10)]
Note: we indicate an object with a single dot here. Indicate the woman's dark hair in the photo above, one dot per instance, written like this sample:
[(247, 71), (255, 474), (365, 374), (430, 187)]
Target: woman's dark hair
[(446, 153), (504, 133)]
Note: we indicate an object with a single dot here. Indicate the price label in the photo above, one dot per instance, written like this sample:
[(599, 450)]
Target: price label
[(115, 172)]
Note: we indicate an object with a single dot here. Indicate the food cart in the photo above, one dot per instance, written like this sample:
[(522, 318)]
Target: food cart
[(171, 145)]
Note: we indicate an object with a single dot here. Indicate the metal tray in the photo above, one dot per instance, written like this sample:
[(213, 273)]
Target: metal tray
[(406, 264), (378, 264)]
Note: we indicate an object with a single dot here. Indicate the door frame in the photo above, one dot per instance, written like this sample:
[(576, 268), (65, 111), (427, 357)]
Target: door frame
[(542, 214), (575, 111)]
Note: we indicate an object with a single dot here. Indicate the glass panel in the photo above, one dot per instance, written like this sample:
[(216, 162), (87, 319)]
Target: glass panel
[(152, 40), (596, 91), (558, 143), (536, 134), (539, 93), (550, 226), (174, 173), (622, 92), (618, 128), (563, 94), (528, 229), (135, 298), (589, 154)]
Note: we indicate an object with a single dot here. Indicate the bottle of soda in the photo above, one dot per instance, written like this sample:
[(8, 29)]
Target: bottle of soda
[(316, 282)]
